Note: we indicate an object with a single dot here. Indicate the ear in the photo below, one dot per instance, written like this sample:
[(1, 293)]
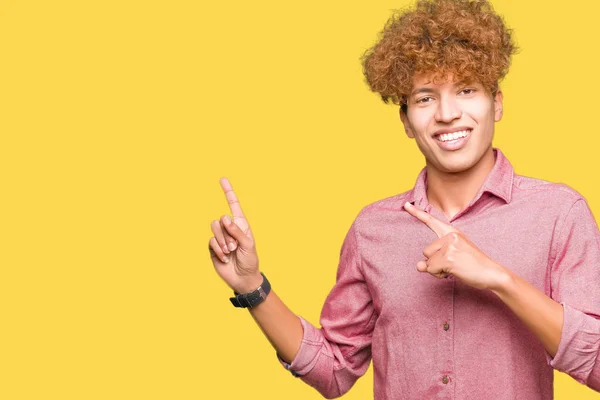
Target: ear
[(498, 107), (406, 123)]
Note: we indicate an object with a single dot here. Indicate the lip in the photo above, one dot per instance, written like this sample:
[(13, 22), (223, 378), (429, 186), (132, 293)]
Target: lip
[(457, 144)]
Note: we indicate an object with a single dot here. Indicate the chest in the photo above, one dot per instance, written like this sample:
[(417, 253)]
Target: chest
[(390, 254)]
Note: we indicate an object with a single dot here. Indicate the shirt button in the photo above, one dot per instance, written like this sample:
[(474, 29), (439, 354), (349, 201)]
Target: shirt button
[(445, 379), (446, 326)]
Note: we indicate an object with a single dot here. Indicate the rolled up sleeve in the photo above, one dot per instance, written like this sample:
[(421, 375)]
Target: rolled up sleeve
[(575, 278), (332, 358)]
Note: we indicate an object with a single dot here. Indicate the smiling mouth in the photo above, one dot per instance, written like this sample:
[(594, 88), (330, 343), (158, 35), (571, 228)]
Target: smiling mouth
[(452, 137)]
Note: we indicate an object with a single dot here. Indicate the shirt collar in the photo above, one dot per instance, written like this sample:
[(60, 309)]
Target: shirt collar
[(499, 182)]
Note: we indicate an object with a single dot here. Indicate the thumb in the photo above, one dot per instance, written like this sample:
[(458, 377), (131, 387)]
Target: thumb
[(244, 240)]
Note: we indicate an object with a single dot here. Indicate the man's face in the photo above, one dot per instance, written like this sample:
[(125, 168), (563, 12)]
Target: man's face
[(452, 122)]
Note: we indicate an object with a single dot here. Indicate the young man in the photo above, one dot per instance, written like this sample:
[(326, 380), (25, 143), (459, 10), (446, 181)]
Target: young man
[(474, 284)]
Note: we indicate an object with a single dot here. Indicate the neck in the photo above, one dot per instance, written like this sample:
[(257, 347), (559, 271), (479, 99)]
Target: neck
[(452, 192)]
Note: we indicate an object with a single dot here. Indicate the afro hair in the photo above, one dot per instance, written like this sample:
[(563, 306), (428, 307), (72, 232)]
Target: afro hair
[(465, 38)]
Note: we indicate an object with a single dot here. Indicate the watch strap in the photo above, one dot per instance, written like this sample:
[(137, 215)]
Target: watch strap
[(254, 298)]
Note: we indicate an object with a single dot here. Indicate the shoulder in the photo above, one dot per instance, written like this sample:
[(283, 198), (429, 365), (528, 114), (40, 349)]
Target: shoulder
[(389, 204), (382, 212), (545, 192)]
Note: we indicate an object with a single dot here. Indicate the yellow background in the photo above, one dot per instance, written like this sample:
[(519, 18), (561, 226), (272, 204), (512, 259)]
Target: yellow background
[(117, 119)]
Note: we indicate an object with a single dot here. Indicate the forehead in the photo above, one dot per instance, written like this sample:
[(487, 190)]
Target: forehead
[(423, 81)]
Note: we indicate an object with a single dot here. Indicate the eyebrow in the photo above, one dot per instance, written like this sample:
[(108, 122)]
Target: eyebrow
[(422, 90), (431, 90)]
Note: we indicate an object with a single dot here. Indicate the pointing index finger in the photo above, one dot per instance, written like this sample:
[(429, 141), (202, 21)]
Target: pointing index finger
[(438, 227), (234, 204)]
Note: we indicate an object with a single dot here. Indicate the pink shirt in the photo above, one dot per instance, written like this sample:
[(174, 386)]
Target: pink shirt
[(433, 338)]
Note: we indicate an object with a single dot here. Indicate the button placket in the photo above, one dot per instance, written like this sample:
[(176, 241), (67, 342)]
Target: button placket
[(446, 338)]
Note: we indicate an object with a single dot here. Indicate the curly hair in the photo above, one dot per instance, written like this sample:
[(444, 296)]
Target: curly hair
[(463, 37)]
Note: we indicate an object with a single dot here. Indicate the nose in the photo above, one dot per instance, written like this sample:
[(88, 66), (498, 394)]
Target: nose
[(447, 110)]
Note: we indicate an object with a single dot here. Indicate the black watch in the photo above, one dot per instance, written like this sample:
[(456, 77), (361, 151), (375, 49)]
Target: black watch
[(252, 299)]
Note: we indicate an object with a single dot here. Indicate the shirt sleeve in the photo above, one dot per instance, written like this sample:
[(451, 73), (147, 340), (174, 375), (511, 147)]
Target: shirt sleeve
[(575, 279), (332, 358)]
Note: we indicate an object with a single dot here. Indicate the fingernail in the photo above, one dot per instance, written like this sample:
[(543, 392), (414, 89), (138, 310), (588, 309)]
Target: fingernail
[(232, 246), (226, 259), (227, 220), (407, 204)]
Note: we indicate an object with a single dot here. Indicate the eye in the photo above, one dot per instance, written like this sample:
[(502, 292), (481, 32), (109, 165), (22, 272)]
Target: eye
[(424, 99), (468, 91)]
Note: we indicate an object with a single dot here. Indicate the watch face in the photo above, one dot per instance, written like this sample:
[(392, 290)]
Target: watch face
[(262, 293)]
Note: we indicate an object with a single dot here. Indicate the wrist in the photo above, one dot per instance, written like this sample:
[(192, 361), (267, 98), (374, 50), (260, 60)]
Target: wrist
[(249, 284), (254, 298), (503, 282)]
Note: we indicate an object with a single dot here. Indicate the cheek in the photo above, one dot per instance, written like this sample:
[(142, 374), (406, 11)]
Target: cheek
[(419, 121), (482, 114)]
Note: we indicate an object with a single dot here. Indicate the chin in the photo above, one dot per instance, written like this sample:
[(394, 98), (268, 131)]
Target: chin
[(455, 164), (460, 161), (455, 168)]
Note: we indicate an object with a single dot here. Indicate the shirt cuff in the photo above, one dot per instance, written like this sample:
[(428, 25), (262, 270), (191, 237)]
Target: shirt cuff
[(306, 359), (579, 346), (288, 367)]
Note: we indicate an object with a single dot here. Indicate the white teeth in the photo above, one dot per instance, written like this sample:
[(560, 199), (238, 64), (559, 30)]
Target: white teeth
[(445, 137)]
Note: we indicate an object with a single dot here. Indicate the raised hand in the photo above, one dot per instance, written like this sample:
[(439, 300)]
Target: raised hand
[(232, 248), (454, 254)]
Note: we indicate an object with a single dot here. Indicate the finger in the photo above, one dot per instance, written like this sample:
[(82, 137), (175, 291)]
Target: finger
[(423, 267), (226, 242), (438, 227), (217, 230), (436, 265), (234, 204), (216, 253), (435, 246), (231, 242), (236, 232)]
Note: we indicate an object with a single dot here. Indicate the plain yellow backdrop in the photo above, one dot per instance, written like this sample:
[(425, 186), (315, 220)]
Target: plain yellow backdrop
[(117, 120)]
